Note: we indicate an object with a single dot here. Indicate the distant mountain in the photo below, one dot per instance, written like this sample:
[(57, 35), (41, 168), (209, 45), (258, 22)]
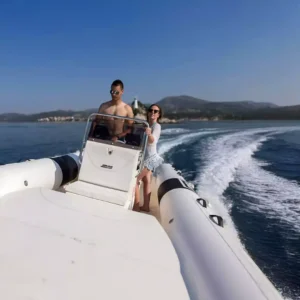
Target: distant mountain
[(258, 104), (276, 113), (179, 104), (185, 107), (14, 117)]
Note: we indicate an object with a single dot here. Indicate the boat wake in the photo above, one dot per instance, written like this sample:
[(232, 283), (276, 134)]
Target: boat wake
[(228, 158), (166, 144), (275, 197), (172, 131)]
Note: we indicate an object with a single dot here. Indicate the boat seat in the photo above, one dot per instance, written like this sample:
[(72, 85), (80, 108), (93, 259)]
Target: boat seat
[(99, 193), (136, 137), (100, 132), (108, 173)]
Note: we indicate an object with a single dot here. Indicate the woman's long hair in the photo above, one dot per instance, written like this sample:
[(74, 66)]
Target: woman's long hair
[(160, 112)]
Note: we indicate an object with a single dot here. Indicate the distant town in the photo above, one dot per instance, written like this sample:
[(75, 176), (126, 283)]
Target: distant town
[(62, 119), (81, 119)]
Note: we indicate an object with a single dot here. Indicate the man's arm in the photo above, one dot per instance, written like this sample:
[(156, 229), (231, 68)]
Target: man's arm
[(129, 122), (129, 115)]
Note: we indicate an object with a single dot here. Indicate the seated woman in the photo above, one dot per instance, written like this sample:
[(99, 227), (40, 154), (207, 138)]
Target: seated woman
[(152, 159)]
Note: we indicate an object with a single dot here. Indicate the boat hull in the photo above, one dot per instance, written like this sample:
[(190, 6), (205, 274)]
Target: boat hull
[(213, 262), (49, 173)]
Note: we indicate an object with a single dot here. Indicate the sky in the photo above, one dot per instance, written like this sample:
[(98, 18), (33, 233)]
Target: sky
[(65, 54)]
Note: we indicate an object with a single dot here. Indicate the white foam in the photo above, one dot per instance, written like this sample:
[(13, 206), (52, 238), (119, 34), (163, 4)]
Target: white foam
[(267, 193), (171, 131), (76, 153), (222, 157), (166, 145)]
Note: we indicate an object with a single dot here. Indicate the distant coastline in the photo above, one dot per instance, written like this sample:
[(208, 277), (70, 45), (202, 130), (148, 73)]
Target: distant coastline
[(166, 120), (176, 109), (71, 119)]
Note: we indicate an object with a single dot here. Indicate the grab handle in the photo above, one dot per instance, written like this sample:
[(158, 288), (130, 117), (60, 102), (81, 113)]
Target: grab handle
[(217, 220), (202, 202)]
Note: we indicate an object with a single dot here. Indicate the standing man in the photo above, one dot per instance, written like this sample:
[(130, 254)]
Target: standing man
[(116, 107)]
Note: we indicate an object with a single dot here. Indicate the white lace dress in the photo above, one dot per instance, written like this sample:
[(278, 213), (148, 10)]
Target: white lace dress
[(152, 159)]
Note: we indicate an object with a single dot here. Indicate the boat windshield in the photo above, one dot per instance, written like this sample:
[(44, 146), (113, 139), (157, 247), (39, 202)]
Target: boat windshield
[(120, 131)]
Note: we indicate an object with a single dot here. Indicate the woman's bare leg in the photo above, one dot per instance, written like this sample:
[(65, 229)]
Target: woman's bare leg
[(136, 206), (147, 191)]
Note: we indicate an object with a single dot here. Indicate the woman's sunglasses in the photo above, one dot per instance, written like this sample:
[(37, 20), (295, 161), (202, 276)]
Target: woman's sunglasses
[(153, 110), (114, 92)]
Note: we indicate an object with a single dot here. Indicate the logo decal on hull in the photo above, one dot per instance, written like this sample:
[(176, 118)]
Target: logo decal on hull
[(107, 167)]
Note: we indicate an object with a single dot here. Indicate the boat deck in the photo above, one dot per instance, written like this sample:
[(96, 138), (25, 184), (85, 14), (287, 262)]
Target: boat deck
[(55, 245)]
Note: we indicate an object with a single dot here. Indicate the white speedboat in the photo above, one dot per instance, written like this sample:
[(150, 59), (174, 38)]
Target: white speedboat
[(68, 231)]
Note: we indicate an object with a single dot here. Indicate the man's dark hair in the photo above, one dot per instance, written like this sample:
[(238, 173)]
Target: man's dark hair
[(118, 82)]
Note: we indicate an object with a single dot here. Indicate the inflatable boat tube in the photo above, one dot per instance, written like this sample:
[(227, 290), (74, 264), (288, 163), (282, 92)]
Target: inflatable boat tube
[(213, 264), (50, 173)]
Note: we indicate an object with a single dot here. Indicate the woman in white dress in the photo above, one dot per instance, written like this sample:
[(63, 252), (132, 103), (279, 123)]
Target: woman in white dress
[(152, 159)]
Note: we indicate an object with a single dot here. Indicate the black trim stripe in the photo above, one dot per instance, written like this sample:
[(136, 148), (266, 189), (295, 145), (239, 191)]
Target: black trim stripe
[(68, 167), (169, 185)]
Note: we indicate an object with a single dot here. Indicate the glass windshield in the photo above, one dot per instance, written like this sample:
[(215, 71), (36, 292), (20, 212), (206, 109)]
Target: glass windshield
[(118, 130)]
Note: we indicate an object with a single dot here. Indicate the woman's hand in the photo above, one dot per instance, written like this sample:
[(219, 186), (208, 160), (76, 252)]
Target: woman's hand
[(148, 131), (149, 134)]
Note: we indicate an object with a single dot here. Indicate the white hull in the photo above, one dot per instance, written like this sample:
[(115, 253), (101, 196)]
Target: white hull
[(50, 173), (213, 262)]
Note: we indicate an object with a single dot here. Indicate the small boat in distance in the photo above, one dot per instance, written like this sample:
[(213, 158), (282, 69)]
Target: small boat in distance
[(68, 230)]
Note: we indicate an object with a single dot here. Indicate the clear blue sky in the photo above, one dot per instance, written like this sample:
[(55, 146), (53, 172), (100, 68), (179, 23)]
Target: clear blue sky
[(65, 54)]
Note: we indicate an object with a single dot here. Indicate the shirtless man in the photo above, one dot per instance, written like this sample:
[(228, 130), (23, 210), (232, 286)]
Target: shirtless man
[(118, 108)]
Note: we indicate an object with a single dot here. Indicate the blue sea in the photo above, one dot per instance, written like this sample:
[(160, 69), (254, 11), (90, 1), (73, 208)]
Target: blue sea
[(249, 170)]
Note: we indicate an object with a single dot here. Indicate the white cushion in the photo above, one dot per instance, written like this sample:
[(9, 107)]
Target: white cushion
[(98, 192)]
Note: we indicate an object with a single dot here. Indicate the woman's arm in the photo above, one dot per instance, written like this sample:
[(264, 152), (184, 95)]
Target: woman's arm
[(155, 135)]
